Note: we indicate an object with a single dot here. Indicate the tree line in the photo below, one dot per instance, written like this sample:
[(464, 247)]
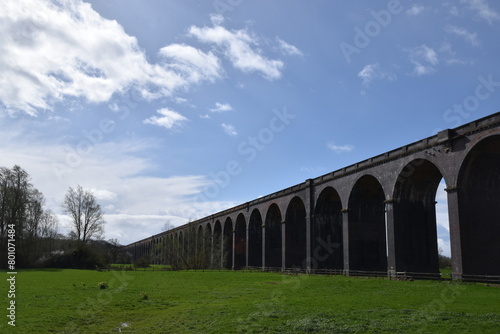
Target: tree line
[(38, 242), (22, 206)]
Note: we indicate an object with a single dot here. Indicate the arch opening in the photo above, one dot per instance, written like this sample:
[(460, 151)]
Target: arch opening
[(227, 244), (181, 254), (367, 232), (209, 247), (240, 242), (255, 239), (217, 245), (415, 222), (326, 231), (191, 248), (295, 234), (200, 260), (273, 237), (169, 249), (479, 209)]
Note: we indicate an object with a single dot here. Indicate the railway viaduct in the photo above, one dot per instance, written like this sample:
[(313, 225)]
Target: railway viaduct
[(377, 215)]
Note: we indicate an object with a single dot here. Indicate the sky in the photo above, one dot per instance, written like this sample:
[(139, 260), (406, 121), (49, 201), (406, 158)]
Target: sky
[(169, 111)]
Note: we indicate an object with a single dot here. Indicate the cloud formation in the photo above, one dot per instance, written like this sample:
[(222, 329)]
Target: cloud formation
[(415, 10), (288, 49), (114, 172), (194, 64), (373, 72), (229, 129), (469, 37), (237, 46), (482, 10), (220, 107), (168, 119), (423, 59), (53, 53), (340, 148), (49, 53)]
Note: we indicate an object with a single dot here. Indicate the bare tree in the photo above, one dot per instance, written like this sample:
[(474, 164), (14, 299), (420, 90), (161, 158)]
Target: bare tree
[(14, 196), (49, 225), (86, 214), (167, 226), (22, 207), (48, 228)]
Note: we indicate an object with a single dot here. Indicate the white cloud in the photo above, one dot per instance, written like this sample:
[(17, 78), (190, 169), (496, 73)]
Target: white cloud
[(180, 100), (368, 73), (340, 148), (471, 38), (421, 69), (288, 49), (49, 53), (135, 205), (415, 10), (220, 107), (60, 53), (103, 194), (217, 19), (423, 59), (195, 65), (483, 10), (168, 119), (449, 56), (454, 11), (373, 72), (237, 47), (229, 129), (130, 228), (428, 54)]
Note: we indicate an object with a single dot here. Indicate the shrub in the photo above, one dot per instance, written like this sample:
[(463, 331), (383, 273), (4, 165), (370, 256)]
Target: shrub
[(79, 257), (444, 262), (102, 285), (143, 262)]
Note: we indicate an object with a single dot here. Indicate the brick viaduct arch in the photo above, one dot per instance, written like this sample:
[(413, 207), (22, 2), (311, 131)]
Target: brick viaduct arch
[(377, 215)]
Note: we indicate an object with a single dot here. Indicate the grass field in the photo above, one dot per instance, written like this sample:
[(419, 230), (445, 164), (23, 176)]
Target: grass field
[(70, 301)]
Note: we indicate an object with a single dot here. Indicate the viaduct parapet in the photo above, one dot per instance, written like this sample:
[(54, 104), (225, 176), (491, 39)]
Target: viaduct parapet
[(378, 215)]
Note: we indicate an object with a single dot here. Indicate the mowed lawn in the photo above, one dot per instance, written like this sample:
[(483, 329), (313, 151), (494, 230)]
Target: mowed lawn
[(70, 301)]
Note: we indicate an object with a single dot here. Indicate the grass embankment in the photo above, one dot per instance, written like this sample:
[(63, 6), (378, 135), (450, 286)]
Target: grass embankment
[(70, 301)]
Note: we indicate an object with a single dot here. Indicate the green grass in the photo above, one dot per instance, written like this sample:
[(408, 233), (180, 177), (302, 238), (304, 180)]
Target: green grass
[(151, 267), (71, 301), (445, 272)]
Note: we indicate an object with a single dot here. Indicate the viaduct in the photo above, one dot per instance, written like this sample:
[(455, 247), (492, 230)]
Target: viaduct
[(376, 216)]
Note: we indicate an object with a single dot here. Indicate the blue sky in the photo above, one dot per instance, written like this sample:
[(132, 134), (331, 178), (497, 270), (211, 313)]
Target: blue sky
[(173, 110)]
